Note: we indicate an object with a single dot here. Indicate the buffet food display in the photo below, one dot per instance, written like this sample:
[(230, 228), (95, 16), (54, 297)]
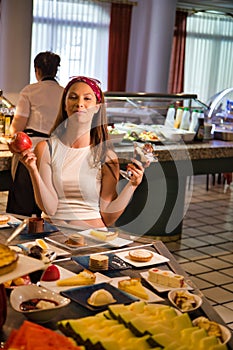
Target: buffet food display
[(127, 300), (157, 118)]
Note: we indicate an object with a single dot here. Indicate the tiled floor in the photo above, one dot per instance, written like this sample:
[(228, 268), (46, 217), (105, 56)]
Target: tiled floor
[(205, 249)]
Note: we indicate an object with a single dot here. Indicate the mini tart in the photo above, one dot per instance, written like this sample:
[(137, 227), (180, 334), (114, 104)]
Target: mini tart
[(4, 219), (8, 259), (140, 255)]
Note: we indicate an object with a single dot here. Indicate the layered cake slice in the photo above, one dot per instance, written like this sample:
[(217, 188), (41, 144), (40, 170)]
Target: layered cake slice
[(85, 277), (133, 286), (98, 262), (166, 278)]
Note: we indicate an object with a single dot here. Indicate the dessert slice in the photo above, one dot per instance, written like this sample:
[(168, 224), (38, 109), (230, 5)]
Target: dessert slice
[(166, 278), (98, 262), (84, 277), (133, 286), (104, 235)]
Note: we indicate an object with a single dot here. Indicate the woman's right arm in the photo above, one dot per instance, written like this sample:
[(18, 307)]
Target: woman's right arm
[(38, 165)]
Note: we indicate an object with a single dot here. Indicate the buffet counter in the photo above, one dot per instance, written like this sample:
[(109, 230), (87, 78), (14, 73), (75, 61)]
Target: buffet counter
[(160, 202), (74, 310)]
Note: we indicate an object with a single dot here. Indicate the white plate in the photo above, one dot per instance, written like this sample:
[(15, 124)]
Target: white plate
[(66, 274), (152, 296), (159, 287), (156, 259), (117, 242), (12, 220), (58, 251), (129, 127), (24, 266)]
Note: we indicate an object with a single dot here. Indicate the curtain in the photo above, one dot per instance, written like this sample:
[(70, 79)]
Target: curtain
[(118, 46), (176, 74), (208, 54), (77, 30)]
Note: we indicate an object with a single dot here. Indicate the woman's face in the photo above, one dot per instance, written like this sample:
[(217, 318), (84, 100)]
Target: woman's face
[(79, 99)]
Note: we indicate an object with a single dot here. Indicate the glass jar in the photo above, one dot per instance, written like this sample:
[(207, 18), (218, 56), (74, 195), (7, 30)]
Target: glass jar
[(2, 122)]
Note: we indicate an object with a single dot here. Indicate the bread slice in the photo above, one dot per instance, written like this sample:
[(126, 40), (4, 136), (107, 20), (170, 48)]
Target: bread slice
[(85, 277), (133, 286)]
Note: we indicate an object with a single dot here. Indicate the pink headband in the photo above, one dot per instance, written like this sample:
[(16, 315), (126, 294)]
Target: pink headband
[(93, 83)]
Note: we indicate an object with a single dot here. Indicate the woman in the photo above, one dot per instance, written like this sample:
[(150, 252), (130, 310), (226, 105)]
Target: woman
[(75, 173), (35, 114)]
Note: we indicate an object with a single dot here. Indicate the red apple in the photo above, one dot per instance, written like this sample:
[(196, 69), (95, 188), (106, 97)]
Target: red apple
[(20, 142), (52, 273)]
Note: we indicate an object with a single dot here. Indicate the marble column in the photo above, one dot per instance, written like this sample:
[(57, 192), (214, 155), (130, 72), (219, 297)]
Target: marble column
[(150, 45), (15, 46)]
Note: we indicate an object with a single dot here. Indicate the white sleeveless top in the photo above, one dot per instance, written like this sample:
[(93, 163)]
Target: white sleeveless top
[(76, 181)]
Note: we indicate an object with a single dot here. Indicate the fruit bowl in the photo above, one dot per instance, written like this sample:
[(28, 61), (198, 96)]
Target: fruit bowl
[(215, 328), (184, 300), (24, 300)]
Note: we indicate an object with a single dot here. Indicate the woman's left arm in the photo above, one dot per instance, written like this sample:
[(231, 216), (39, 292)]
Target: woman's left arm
[(113, 205)]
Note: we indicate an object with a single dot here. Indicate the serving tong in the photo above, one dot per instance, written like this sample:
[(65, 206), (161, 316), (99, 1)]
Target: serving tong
[(17, 231)]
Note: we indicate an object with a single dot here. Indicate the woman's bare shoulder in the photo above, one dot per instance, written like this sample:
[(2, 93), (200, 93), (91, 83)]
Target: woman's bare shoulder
[(42, 148), (111, 155)]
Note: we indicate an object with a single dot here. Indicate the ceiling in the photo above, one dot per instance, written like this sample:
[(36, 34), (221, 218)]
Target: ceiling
[(225, 6)]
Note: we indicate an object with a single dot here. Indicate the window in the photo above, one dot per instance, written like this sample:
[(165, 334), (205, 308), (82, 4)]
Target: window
[(78, 31), (208, 57)]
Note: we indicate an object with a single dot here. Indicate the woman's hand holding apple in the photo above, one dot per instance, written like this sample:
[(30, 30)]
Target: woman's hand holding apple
[(20, 142), (29, 159)]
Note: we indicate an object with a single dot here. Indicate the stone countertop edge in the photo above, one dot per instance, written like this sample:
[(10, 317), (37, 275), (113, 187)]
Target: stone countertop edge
[(213, 149)]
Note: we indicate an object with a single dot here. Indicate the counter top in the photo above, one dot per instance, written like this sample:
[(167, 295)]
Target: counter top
[(182, 151), (167, 152)]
